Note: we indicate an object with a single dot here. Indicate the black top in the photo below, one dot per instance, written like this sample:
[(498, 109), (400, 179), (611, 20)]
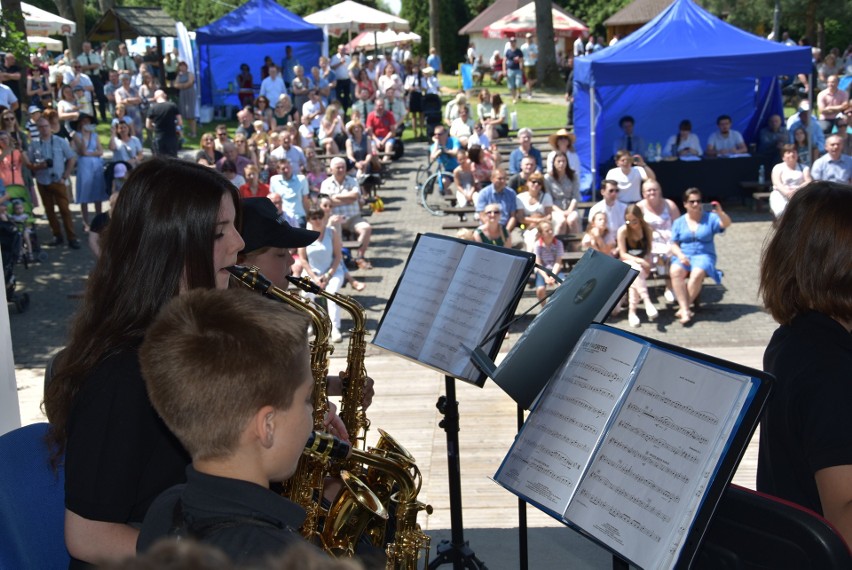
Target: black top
[(267, 523), (807, 425), (164, 116)]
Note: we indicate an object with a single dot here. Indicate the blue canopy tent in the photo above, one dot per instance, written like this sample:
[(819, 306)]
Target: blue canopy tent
[(246, 35), (683, 64)]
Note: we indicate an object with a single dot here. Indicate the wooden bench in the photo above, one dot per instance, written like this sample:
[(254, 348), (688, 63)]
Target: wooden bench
[(758, 198), (570, 258), (458, 225), (460, 210)]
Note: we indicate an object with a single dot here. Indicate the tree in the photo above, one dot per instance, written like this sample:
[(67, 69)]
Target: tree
[(15, 38), (435, 25), (548, 70)]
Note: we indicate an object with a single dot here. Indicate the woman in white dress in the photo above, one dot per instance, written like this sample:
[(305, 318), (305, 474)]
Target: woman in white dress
[(659, 213), (787, 177)]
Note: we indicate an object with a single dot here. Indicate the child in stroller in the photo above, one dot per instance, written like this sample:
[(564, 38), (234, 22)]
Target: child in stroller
[(21, 214), (10, 250)]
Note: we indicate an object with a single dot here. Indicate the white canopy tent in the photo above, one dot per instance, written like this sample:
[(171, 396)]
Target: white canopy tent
[(50, 43), (43, 23), (523, 21), (381, 39)]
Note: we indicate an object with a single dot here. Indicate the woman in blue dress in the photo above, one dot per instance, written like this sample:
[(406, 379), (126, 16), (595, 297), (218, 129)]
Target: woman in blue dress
[(693, 251), (91, 188)]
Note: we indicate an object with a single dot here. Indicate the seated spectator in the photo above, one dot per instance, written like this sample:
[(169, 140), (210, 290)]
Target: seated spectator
[(207, 155), (496, 63), (478, 137), (381, 124), (229, 170), (525, 148), (834, 166), (806, 151), (229, 150), (532, 208), (292, 152), (321, 263), (629, 177), (629, 140), (312, 110), (451, 111), (433, 87), (244, 429), (548, 254), (684, 143), (831, 102), (359, 151), (222, 137), (467, 188), (659, 213), (596, 236), (562, 184), (563, 141), (497, 125), (612, 207), (330, 131), (244, 150), (284, 112), (806, 120), (316, 172), (396, 105), (484, 109), (634, 248), (693, 251), (294, 191), (253, 188), (725, 141), (345, 195), (787, 177), (498, 193), (444, 149), (492, 231), (841, 124), (462, 126), (518, 182), (245, 120), (771, 139), (483, 161)]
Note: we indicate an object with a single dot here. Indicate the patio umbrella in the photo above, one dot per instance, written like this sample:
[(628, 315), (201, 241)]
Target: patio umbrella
[(50, 43), (522, 21), (349, 16), (380, 39), (40, 22)]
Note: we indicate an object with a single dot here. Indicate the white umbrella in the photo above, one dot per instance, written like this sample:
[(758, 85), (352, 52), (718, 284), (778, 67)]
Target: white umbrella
[(378, 39), (522, 21), (349, 16), (40, 22), (50, 43)]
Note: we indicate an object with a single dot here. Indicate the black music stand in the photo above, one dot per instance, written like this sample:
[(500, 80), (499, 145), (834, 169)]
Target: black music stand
[(456, 551)]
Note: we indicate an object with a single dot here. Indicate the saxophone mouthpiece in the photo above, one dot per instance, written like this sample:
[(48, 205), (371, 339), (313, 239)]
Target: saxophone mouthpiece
[(327, 446), (250, 277), (305, 284)]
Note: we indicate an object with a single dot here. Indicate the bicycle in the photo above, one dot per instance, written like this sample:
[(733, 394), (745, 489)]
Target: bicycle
[(432, 192)]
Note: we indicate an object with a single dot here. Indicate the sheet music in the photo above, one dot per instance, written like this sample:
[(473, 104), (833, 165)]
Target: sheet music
[(653, 466), (559, 438), (419, 295), (470, 308)]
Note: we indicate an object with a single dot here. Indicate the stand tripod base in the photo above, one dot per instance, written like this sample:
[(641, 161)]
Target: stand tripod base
[(459, 556)]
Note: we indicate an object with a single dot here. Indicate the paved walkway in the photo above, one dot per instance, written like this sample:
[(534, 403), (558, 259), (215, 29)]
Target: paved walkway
[(732, 326)]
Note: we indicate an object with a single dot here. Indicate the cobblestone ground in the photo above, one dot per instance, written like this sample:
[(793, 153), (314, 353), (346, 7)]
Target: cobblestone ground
[(730, 316)]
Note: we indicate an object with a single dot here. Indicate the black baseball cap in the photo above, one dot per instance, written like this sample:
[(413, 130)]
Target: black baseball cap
[(263, 226)]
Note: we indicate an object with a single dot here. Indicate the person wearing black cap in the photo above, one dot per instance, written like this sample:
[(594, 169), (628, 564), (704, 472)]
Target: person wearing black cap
[(91, 185)]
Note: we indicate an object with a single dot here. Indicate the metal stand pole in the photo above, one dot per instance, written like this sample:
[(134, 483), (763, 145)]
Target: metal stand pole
[(456, 551)]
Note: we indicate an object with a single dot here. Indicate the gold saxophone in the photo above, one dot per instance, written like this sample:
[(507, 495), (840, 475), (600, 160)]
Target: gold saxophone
[(389, 465)]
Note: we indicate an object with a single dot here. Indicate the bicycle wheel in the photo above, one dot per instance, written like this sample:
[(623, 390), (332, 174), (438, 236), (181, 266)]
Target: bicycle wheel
[(433, 192)]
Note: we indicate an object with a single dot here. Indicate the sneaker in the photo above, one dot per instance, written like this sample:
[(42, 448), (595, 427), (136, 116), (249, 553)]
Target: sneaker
[(651, 310), (74, 244), (633, 319), (669, 296), (336, 336), (57, 241)]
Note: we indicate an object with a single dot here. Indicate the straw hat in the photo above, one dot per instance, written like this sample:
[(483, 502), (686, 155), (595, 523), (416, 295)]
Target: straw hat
[(560, 134), (428, 70)]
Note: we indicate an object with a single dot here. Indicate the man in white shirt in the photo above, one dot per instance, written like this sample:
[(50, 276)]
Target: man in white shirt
[(273, 86), (293, 153), (92, 65), (340, 65), (725, 141), (313, 110), (75, 77), (612, 207), (530, 51), (345, 197), (294, 192), (124, 62)]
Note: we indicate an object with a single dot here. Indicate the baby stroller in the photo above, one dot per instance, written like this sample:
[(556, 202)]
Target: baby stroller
[(10, 250), (32, 251), (431, 112)]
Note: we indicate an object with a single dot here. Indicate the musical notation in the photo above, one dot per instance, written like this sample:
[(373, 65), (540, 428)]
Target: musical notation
[(617, 513), (573, 442), (658, 464), (658, 441), (569, 420), (680, 406), (667, 422), (550, 452), (627, 470), (600, 371), (580, 403), (628, 496), (583, 383)]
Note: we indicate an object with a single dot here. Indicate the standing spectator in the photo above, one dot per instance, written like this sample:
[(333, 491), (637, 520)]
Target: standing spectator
[(294, 191), (128, 96), (10, 75), (345, 197), (164, 118), (415, 87), (580, 45), (110, 88), (52, 161), (470, 56), (91, 186), (185, 82), (434, 60), (170, 65), (530, 51), (92, 65), (512, 63), (340, 65), (124, 62), (245, 86), (272, 86), (288, 68), (37, 89), (124, 146), (834, 166)]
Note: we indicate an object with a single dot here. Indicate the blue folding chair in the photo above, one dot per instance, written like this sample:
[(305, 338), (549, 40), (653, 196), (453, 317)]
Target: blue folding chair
[(32, 503)]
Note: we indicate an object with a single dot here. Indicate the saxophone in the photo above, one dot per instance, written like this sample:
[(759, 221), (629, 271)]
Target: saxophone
[(389, 465)]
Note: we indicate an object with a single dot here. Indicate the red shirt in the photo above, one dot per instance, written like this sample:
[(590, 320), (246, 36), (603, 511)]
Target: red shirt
[(262, 191), (380, 126)]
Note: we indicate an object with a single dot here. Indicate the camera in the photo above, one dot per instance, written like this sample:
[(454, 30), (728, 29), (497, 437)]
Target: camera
[(708, 207), (49, 162)]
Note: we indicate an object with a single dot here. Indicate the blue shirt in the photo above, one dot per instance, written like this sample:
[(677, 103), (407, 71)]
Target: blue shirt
[(57, 149), (434, 61), (517, 155), (815, 134), (507, 200), (448, 161), (839, 170)]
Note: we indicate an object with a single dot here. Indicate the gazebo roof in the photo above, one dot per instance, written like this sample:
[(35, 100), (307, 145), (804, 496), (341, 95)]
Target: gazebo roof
[(637, 12), (129, 23), (491, 14)]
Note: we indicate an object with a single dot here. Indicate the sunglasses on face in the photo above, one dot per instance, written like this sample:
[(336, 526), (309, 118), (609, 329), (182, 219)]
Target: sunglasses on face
[(492, 213)]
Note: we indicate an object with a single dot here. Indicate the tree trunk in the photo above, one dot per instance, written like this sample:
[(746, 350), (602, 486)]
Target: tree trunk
[(547, 68), (13, 15), (435, 25)]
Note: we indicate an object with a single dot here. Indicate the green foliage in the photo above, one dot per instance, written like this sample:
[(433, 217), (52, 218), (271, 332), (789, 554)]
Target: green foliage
[(15, 42), (453, 15), (594, 12)]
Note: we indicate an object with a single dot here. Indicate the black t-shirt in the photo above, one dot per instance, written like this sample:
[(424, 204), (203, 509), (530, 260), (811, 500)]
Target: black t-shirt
[(164, 116), (120, 455), (13, 84), (807, 425), (511, 54)]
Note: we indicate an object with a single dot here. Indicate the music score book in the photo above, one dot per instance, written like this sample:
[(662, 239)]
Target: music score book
[(633, 441), (452, 294)]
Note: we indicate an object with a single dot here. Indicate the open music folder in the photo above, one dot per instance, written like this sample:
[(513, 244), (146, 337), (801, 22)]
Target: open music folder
[(451, 296), (633, 441)]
